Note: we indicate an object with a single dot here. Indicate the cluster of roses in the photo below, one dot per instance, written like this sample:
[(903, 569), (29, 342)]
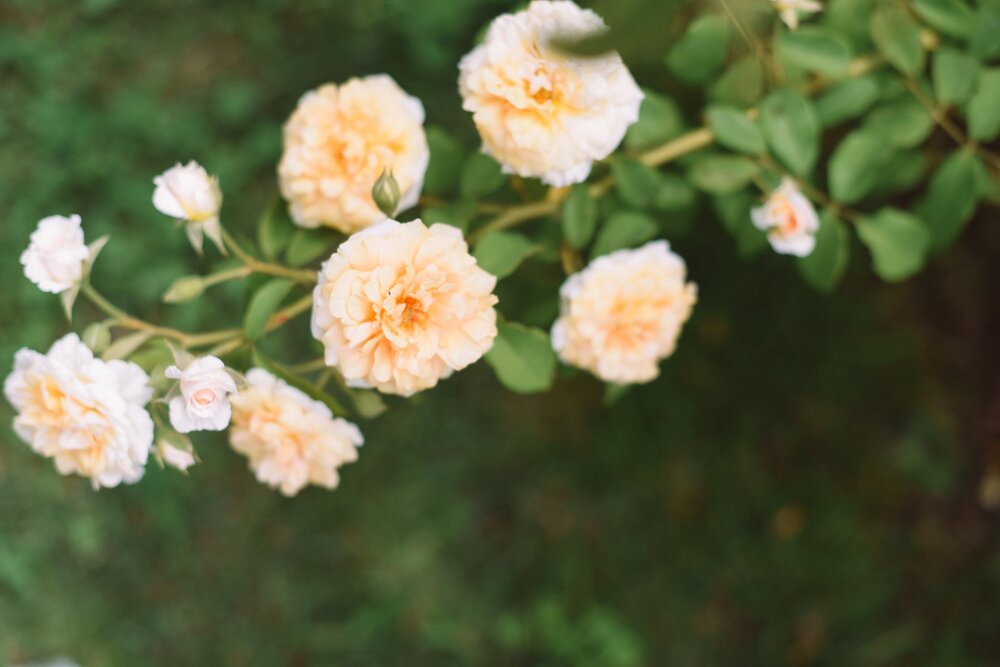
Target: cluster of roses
[(398, 306)]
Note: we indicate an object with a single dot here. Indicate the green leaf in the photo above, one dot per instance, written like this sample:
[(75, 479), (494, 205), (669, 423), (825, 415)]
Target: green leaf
[(983, 42), (741, 85), (734, 212), (902, 123), (814, 50), (500, 252), (126, 345), (952, 196), (984, 107), (275, 229), (701, 52), (846, 100), (634, 181), (659, 120), (579, 217), (522, 358), (824, 266), (444, 169), (898, 242), (734, 130), (791, 128), (954, 74), (673, 193), (481, 176), (624, 229), (950, 17), (263, 305), (723, 174), (457, 214), (901, 171), (897, 36), (309, 244), (855, 164)]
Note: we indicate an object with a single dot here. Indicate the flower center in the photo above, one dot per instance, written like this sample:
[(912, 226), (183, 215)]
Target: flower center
[(203, 397)]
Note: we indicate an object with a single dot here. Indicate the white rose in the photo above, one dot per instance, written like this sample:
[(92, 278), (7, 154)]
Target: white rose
[(203, 403), (539, 110), (789, 220), (55, 257), (176, 458), (188, 193)]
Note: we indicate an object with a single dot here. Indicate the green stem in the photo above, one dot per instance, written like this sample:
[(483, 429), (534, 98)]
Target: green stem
[(304, 276)]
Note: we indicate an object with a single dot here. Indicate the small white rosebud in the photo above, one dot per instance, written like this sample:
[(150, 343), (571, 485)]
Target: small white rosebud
[(788, 10), (188, 193), (185, 289), (175, 458), (789, 220), (56, 256), (203, 403)]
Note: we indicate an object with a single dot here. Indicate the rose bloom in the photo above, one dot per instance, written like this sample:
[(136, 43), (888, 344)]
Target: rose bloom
[(400, 306), (338, 141), (56, 253), (541, 111), (290, 439), (188, 193), (203, 403), (84, 413), (789, 10), (623, 313), (789, 220), (176, 458)]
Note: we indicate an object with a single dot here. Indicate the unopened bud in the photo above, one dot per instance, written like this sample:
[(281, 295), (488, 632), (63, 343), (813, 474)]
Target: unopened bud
[(97, 336), (185, 289), (385, 192)]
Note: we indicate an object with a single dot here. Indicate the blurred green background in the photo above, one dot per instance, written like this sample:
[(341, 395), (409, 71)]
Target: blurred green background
[(801, 487)]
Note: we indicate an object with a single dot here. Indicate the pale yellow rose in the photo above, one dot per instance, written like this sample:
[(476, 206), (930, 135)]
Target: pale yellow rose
[(539, 110), (338, 141), (290, 439), (623, 313), (400, 306), (85, 414)]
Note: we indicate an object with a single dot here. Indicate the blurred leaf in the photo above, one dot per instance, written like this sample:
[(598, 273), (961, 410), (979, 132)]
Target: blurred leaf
[(984, 43), (897, 36), (846, 100), (951, 198), (734, 130), (522, 358), (984, 107), (263, 304), (855, 164), (659, 120), (825, 265), (501, 252), (734, 211), (444, 169), (579, 217), (275, 229), (723, 174), (791, 128), (701, 51), (741, 85), (954, 74), (951, 17), (901, 171), (123, 347), (308, 245), (184, 288), (673, 192), (624, 229), (481, 176), (457, 214), (903, 123), (816, 50), (634, 181), (898, 242)]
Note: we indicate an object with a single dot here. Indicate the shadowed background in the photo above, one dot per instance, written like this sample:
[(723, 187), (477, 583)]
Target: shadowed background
[(800, 487)]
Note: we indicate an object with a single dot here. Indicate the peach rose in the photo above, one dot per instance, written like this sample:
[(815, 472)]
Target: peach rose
[(85, 414), (789, 220), (541, 111), (400, 306), (338, 141), (290, 439), (622, 314)]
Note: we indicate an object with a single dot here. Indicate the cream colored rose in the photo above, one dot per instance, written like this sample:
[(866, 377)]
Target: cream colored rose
[(84, 413), (290, 439), (788, 10), (189, 194), (176, 458), (338, 141), (400, 306), (56, 253), (203, 403), (540, 111), (789, 220), (622, 314)]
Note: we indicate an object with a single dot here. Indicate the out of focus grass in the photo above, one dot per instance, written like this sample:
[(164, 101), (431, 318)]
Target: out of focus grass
[(800, 487)]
